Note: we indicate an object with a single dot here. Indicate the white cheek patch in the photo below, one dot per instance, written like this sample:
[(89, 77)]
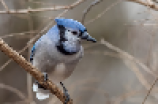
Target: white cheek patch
[(72, 43), (70, 36)]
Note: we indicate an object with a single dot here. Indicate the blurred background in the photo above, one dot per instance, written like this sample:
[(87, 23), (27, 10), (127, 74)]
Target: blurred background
[(119, 69)]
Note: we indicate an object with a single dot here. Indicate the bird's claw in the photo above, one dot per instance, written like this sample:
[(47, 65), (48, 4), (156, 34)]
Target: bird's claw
[(45, 76), (45, 79), (66, 93), (67, 97)]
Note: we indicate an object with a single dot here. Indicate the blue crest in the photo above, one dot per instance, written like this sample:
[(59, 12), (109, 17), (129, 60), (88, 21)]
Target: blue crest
[(70, 23)]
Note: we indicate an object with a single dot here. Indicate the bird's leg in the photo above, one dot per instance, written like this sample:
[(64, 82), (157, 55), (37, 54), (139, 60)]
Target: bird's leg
[(45, 79), (65, 92), (45, 76)]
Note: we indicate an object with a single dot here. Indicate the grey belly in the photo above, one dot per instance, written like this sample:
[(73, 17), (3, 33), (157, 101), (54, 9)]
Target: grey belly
[(60, 71)]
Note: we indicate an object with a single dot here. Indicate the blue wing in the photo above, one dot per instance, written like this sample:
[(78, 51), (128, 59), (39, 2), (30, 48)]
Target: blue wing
[(34, 49), (32, 53)]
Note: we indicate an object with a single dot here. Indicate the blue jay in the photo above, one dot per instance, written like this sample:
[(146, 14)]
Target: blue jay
[(57, 53)]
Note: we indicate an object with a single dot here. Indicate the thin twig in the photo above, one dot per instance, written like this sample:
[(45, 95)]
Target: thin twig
[(126, 95), (30, 10), (89, 8), (130, 57), (14, 90), (4, 5), (149, 91), (5, 64), (103, 12), (41, 3), (150, 4), (136, 70), (19, 34), (19, 59)]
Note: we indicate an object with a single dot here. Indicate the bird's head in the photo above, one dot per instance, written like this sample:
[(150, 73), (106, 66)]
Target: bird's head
[(72, 30)]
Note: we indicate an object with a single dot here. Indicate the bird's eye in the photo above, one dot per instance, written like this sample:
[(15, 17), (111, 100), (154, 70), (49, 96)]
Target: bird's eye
[(74, 32)]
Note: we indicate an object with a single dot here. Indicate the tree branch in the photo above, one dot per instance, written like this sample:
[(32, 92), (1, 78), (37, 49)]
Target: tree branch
[(19, 59)]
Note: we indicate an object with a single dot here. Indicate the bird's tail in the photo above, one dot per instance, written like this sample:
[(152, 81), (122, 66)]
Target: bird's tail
[(41, 94)]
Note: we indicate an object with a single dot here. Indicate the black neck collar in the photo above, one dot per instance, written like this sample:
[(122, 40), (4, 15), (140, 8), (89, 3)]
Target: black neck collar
[(60, 46), (61, 49)]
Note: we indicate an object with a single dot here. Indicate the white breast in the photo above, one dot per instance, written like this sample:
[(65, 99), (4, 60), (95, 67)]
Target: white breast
[(60, 68)]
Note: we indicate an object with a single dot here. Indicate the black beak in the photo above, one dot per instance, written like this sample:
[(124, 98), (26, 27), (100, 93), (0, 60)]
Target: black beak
[(87, 37)]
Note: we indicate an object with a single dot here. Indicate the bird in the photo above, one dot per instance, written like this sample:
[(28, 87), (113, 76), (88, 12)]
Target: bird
[(57, 53)]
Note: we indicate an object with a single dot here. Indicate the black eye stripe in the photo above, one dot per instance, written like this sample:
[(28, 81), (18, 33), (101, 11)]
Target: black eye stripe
[(74, 32)]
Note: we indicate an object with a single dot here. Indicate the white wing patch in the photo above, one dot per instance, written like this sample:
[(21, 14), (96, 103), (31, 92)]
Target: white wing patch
[(42, 96), (40, 93), (35, 87)]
